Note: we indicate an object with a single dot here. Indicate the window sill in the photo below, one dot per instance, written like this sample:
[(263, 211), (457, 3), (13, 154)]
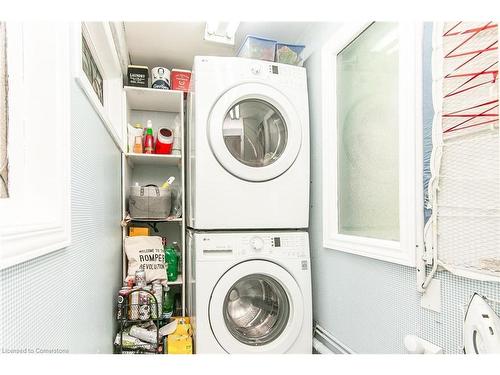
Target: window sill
[(388, 251)]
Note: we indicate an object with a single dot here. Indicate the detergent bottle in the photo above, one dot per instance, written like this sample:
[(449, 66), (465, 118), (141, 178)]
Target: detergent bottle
[(172, 262), (149, 139), (168, 303)]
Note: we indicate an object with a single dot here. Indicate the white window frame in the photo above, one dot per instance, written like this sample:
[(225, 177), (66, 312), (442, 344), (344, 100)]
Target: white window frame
[(100, 41), (410, 189), (39, 143)]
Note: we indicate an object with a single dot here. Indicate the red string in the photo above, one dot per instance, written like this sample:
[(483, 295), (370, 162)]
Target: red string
[(447, 32), (467, 39), (466, 89), (474, 115), (454, 91), (472, 58), (471, 52), (469, 126), (473, 107), (468, 30), (475, 74), (472, 118)]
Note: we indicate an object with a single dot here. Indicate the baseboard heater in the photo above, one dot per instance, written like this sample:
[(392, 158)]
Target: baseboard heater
[(325, 343)]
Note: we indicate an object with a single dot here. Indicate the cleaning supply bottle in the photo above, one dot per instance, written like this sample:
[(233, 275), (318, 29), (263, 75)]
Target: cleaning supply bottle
[(169, 182), (177, 248), (168, 303), (149, 138), (172, 261), (138, 145)]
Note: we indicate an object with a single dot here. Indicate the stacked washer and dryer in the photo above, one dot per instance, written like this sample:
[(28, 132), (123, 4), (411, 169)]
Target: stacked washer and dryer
[(248, 266)]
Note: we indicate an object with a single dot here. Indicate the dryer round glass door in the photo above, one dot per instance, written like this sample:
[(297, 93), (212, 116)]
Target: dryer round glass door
[(254, 132), (256, 306)]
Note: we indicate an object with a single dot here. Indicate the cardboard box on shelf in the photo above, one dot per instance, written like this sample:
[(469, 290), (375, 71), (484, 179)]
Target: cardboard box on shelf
[(137, 75), (138, 231), (180, 79)]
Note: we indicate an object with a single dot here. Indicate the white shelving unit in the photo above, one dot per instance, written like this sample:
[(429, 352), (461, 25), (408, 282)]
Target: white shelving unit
[(161, 107), (152, 159), (146, 99)]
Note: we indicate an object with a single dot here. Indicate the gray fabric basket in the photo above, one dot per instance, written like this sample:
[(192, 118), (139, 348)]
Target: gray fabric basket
[(149, 202)]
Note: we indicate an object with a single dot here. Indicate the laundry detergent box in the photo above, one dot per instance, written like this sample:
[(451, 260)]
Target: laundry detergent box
[(179, 344), (138, 75), (180, 79)]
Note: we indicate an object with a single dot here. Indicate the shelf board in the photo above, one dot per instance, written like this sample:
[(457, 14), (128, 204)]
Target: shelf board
[(166, 220), (147, 99), (153, 159), (176, 282)]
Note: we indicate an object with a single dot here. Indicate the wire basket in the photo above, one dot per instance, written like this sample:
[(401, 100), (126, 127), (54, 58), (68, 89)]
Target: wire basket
[(138, 309)]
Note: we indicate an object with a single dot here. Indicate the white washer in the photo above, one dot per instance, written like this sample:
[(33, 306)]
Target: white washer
[(250, 292), (248, 145)]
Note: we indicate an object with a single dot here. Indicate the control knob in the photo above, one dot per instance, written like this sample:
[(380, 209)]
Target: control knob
[(257, 243), (255, 69)]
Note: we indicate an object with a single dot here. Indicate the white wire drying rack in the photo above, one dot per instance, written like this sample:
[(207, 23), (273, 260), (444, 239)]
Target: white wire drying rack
[(463, 233)]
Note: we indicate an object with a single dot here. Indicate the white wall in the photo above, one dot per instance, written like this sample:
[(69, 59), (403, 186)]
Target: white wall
[(66, 300), (370, 305)]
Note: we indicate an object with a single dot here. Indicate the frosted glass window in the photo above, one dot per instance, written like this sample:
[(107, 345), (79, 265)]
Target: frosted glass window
[(367, 110)]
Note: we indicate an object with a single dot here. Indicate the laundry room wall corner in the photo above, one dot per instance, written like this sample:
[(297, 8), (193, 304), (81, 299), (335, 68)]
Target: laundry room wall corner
[(64, 301)]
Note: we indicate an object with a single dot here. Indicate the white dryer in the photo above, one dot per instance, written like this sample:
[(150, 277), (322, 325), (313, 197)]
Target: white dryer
[(248, 145), (250, 292)]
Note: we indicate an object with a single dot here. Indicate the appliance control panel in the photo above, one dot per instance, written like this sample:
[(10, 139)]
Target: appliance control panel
[(224, 245), (275, 72), (233, 69)]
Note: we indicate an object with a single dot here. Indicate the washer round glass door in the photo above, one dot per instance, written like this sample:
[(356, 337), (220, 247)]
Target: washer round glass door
[(256, 306), (254, 132)]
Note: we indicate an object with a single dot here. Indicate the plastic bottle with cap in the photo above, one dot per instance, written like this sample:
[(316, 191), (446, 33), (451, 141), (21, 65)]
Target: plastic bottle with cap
[(172, 263), (149, 138), (168, 303), (169, 182)]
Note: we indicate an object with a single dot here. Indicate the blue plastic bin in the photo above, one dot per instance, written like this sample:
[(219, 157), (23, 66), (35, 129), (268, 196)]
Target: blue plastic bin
[(289, 54), (257, 48)]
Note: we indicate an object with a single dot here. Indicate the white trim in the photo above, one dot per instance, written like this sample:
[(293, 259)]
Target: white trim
[(430, 253), (419, 159), (36, 217), (100, 41), (403, 251), (118, 32), (324, 339)]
